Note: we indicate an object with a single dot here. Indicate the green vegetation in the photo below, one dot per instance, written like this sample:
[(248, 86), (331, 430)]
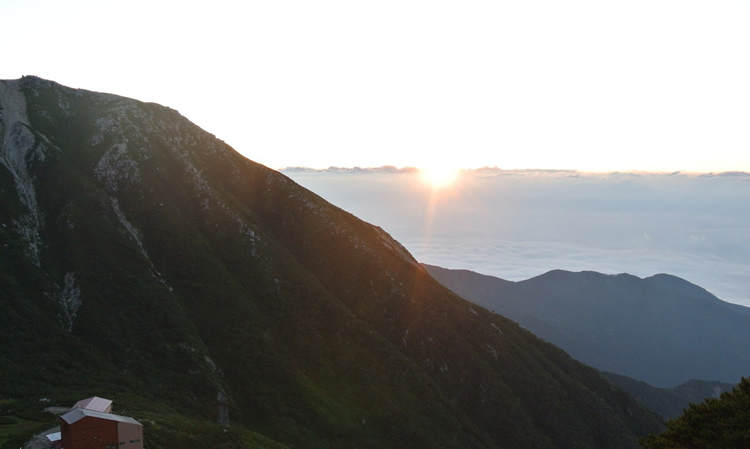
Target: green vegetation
[(14, 435), (721, 423), (20, 420), (164, 427)]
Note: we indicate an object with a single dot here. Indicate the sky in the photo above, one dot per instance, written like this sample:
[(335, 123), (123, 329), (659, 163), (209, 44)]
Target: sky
[(517, 224), (650, 85), (628, 97)]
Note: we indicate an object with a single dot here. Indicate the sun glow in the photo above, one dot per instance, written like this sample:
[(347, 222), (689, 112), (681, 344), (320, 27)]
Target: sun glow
[(439, 176)]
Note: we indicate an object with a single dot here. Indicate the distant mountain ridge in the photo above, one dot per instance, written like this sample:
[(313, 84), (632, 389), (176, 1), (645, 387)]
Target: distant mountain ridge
[(142, 257), (662, 329), (670, 402)]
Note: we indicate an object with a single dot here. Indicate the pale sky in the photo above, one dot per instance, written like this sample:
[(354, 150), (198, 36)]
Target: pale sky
[(589, 85)]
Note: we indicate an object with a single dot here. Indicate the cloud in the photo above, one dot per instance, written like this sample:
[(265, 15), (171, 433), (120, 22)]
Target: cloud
[(517, 224), (351, 170)]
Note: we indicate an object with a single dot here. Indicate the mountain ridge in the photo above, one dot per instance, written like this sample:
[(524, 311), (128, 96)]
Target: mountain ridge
[(670, 403), (660, 329), (152, 259)]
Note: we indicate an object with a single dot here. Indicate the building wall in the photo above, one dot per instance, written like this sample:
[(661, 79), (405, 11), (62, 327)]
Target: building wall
[(131, 435), (90, 433)]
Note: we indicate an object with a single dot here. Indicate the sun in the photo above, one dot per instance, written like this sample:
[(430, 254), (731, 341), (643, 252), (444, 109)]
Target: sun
[(439, 175)]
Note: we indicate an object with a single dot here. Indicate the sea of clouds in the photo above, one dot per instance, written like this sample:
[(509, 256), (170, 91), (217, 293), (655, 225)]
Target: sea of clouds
[(517, 224)]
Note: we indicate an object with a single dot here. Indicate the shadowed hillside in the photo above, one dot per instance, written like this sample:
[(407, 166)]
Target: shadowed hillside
[(144, 257)]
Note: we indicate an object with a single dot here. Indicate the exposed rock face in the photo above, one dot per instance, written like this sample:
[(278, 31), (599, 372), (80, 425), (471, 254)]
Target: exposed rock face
[(20, 149), (69, 298)]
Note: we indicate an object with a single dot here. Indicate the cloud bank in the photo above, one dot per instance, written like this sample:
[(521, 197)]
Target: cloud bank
[(516, 224)]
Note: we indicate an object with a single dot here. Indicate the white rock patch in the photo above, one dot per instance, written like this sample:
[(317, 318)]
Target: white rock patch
[(69, 298), (16, 145)]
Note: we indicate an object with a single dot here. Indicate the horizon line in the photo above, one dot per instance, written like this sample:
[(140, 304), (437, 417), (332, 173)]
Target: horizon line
[(412, 169)]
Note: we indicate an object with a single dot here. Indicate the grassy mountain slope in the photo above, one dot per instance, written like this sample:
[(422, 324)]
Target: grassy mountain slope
[(143, 255), (662, 329)]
